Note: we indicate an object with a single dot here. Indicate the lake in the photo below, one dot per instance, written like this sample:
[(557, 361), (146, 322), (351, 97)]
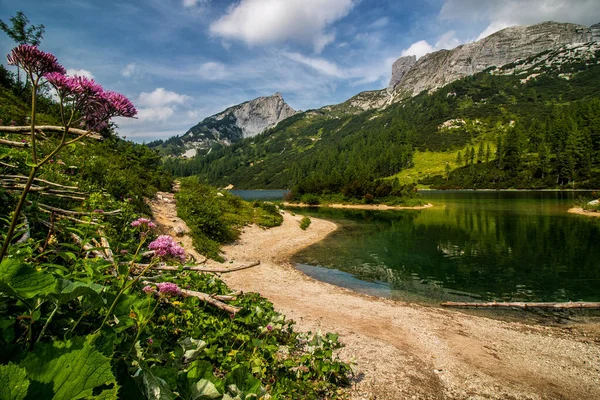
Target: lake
[(471, 246)]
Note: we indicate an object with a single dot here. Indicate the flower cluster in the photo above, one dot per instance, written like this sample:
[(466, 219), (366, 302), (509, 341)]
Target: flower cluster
[(165, 246), (148, 289), (143, 222), (34, 61), (168, 289)]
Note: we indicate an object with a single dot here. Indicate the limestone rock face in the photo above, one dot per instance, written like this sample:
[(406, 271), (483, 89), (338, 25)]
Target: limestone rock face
[(400, 67), (437, 69), (238, 122)]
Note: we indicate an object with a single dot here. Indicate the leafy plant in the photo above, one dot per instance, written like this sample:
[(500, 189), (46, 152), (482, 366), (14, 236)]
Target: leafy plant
[(304, 223)]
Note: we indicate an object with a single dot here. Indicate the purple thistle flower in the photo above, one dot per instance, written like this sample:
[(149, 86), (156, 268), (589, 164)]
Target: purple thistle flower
[(34, 61), (148, 289), (150, 341), (165, 246), (168, 288)]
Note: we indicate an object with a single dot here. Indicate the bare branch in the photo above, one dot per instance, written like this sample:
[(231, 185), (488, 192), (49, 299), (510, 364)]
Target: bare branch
[(69, 212), (39, 180), (199, 269), (50, 128), (13, 144)]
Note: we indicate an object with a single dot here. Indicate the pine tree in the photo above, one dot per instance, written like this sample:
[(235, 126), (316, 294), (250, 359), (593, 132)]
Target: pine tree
[(480, 153), (458, 159), (488, 153)]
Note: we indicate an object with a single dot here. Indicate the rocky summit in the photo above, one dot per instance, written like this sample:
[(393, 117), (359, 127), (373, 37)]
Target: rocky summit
[(439, 68), (237, 122)]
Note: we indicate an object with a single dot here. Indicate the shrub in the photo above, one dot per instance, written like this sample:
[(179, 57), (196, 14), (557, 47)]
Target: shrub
[(304, 223), (310, 199)]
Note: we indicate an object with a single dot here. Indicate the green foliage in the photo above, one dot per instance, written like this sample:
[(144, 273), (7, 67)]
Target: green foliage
[(216, 217), (304, 223), (544, 129)]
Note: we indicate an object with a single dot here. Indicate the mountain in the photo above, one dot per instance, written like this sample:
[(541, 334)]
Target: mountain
[(534, 121), (235, 123), (437, 69)]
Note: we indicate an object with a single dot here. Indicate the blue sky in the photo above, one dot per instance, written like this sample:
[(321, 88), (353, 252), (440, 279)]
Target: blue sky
[(180, 61)]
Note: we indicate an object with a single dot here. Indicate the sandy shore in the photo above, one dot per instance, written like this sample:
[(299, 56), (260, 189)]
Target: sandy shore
[(361, 206), (407, 351), (581, 211)]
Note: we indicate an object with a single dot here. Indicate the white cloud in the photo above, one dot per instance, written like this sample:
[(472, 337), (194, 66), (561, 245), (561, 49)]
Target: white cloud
[(501, 14), (320, 65), (260, 22), (161, 97), (194, 3), (447, 41), (129, 70), (213, 71), (155, 113), (80, 72)]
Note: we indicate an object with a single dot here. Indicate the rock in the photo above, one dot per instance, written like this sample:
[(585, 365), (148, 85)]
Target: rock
[(238, 122), (400, 67), (439, 68), (179, 230), (594, 202)]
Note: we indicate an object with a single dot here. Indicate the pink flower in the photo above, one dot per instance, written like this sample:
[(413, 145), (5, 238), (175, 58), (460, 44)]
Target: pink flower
[(143, 222), (124, 252), (99, 211), (148, 289), (269, 327), (34, 61), (165, 246), (168, 288), (150, 341)]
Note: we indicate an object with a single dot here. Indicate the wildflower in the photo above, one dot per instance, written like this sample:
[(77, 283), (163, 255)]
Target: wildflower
[(148, 289), (143, 222), (150, 341), (168, 288), (34, 61), (13, 123), (124, 251), (269, 327), (165, 246), (99, 211)]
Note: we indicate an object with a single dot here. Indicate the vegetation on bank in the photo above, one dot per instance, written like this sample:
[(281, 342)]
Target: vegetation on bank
[(216, 217), (83, 311), (529, 128)]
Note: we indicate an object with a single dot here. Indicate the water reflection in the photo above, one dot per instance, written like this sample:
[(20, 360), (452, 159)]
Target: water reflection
[(500, 246)]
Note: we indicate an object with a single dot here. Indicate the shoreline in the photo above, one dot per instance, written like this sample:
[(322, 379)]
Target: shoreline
[(405, 350), (380, 207), (581, 211), (402, 350)]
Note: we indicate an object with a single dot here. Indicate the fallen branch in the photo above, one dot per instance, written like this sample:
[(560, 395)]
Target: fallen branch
[(50, 128), (39, 180), (524, 305), (106, 246), (212, 301), (64, 196), (13, 144), (69, 212), (27, 233), (80, 221), (201, 269), (86, 246), (7, 165)]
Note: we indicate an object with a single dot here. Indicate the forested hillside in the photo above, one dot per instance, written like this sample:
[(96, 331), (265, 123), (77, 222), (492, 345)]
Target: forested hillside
[(533, 123)]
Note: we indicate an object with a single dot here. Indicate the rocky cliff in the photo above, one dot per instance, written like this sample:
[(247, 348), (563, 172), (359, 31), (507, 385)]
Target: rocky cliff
[(235, 123), (437, 69)]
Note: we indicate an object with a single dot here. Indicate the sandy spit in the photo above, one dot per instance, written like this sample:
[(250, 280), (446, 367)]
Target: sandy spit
[(361, 206), (581, 211), (408, 351)]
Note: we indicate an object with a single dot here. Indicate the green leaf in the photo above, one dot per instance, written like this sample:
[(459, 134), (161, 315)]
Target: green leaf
[(156, 388), (68, 290), (7, 330), (24, 281), (191, 348), (13, 382), (241, 380), (70, 370), (204, 390)]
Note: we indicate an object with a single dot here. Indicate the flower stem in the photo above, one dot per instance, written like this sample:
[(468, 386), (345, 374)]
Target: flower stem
[(34, 87), (47, 322), (17, 212)]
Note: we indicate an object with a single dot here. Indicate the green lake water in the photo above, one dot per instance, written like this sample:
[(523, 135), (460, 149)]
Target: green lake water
[(471, 246)]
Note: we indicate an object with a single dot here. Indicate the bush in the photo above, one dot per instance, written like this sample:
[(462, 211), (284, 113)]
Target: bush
[(304, 223), (310, 199)]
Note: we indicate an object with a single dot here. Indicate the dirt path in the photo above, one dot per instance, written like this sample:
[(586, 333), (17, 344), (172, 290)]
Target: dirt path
[(581, 211), (407, 351)]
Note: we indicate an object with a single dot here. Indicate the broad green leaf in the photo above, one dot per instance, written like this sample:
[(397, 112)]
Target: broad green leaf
[(13, 382), (7, 330), (199, 373), (24, 281), (191, 348), (204, 390), (241, 380), (156, 388), (68, 290), (70, 370)]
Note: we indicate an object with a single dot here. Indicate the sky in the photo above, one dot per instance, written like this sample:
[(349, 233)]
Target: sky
[(180, 61)]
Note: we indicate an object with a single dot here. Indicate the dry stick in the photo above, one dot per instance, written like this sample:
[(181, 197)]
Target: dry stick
[(80, 221), (109, 254), (64, 196), (87, 246), (27, 233), (50, 128), (13, 144), (212, 301), (580, 304), (202, 269), (69, 212), (7, 165), (39, 180)]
